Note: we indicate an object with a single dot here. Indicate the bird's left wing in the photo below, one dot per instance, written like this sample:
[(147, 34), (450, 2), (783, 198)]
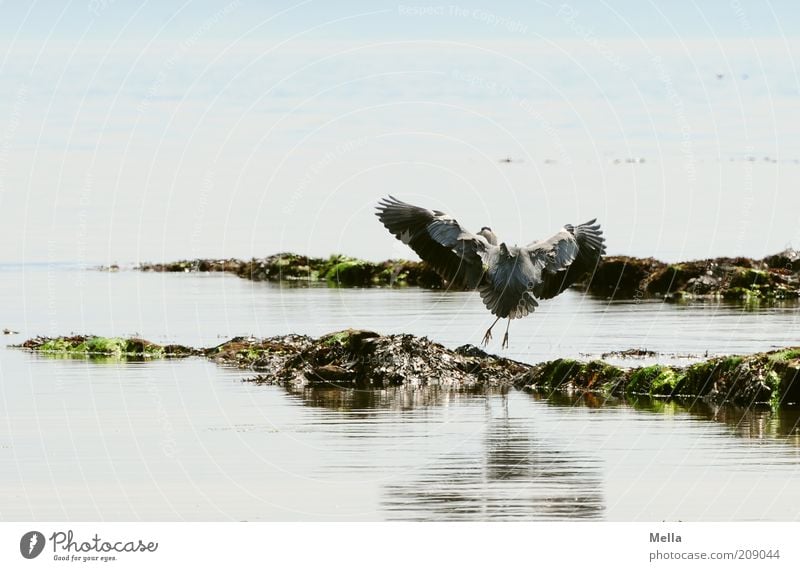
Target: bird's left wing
[(455, 253), (565, 257)]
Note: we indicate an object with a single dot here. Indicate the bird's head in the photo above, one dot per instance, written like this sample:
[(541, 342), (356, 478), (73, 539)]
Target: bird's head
[(490, 236)]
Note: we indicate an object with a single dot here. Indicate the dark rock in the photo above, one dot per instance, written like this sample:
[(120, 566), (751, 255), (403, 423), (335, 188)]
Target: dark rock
[(630, 354), (365, 359), (618, 277), (788, 261), (623, 276), (740, 278), (772, 377), (673, 278), (330, 372), (337, 270)]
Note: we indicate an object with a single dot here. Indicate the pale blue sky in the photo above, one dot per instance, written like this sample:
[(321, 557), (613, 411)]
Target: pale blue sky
[(378, 18), (164, 130)]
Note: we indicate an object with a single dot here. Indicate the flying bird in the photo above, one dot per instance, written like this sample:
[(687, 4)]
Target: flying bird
[(510, 279)]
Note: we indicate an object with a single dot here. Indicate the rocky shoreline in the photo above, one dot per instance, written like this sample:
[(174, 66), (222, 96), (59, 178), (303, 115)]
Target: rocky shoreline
[(775, 277), (772, 377), (349, 358), (337, 270), (367, 360), (771, 278)]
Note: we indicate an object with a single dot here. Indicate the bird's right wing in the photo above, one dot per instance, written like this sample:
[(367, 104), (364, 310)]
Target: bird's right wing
[(453, 252)]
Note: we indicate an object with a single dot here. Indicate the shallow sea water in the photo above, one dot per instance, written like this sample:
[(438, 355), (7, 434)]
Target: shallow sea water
[(188, 440)]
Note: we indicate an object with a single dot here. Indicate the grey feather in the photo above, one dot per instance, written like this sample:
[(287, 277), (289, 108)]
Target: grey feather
[(454, 252), (509, 279)]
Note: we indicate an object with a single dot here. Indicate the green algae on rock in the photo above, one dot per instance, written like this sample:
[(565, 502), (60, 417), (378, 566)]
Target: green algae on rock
[(742, 279), (336, 270), (775, 277), (365, 359), (349, 358), (92, 345), (772, 377)]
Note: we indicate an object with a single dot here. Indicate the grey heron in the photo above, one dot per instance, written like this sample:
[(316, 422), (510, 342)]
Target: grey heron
[(510, 279)]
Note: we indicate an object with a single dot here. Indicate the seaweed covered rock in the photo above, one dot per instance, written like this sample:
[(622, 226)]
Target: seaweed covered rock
[(618, 277), (672, 278), (280, 267), (365, 359), (788, 261), (569, 374), (337, 270), (353, 358), (93, 345), (198, 265), (775, 277), (259, 354), (623, 276), (772, 377)]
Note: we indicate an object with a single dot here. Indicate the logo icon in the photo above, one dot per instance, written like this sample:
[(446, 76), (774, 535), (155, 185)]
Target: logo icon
[(31, 544)]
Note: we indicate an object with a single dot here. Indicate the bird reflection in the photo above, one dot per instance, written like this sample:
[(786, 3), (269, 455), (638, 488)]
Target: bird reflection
[(505, 474), (360, 403)]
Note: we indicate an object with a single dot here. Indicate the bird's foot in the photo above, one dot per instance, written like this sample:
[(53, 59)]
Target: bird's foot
[(505, 342), (487, 337)]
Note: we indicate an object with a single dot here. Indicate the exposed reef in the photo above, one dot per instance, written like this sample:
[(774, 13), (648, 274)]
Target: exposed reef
[(774, 277), (772, 378), (96, 346), (350, 358), (620, 277), (365, 359), (336, 270)]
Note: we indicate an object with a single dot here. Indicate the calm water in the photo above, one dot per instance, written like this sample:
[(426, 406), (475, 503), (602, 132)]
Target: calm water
[(187, 440)]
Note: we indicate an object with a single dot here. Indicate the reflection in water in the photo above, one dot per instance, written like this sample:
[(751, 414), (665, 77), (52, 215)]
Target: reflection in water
[(757, 421), (497, 469), (361, 402), (187, 440), (514, 476)]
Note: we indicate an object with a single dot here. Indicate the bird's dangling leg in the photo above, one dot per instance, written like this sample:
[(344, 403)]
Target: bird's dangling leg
[(505, 337), (488, 336)]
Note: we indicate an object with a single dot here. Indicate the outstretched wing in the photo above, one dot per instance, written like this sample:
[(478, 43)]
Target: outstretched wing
[(567, 256), (518, 276), (453, 252)]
